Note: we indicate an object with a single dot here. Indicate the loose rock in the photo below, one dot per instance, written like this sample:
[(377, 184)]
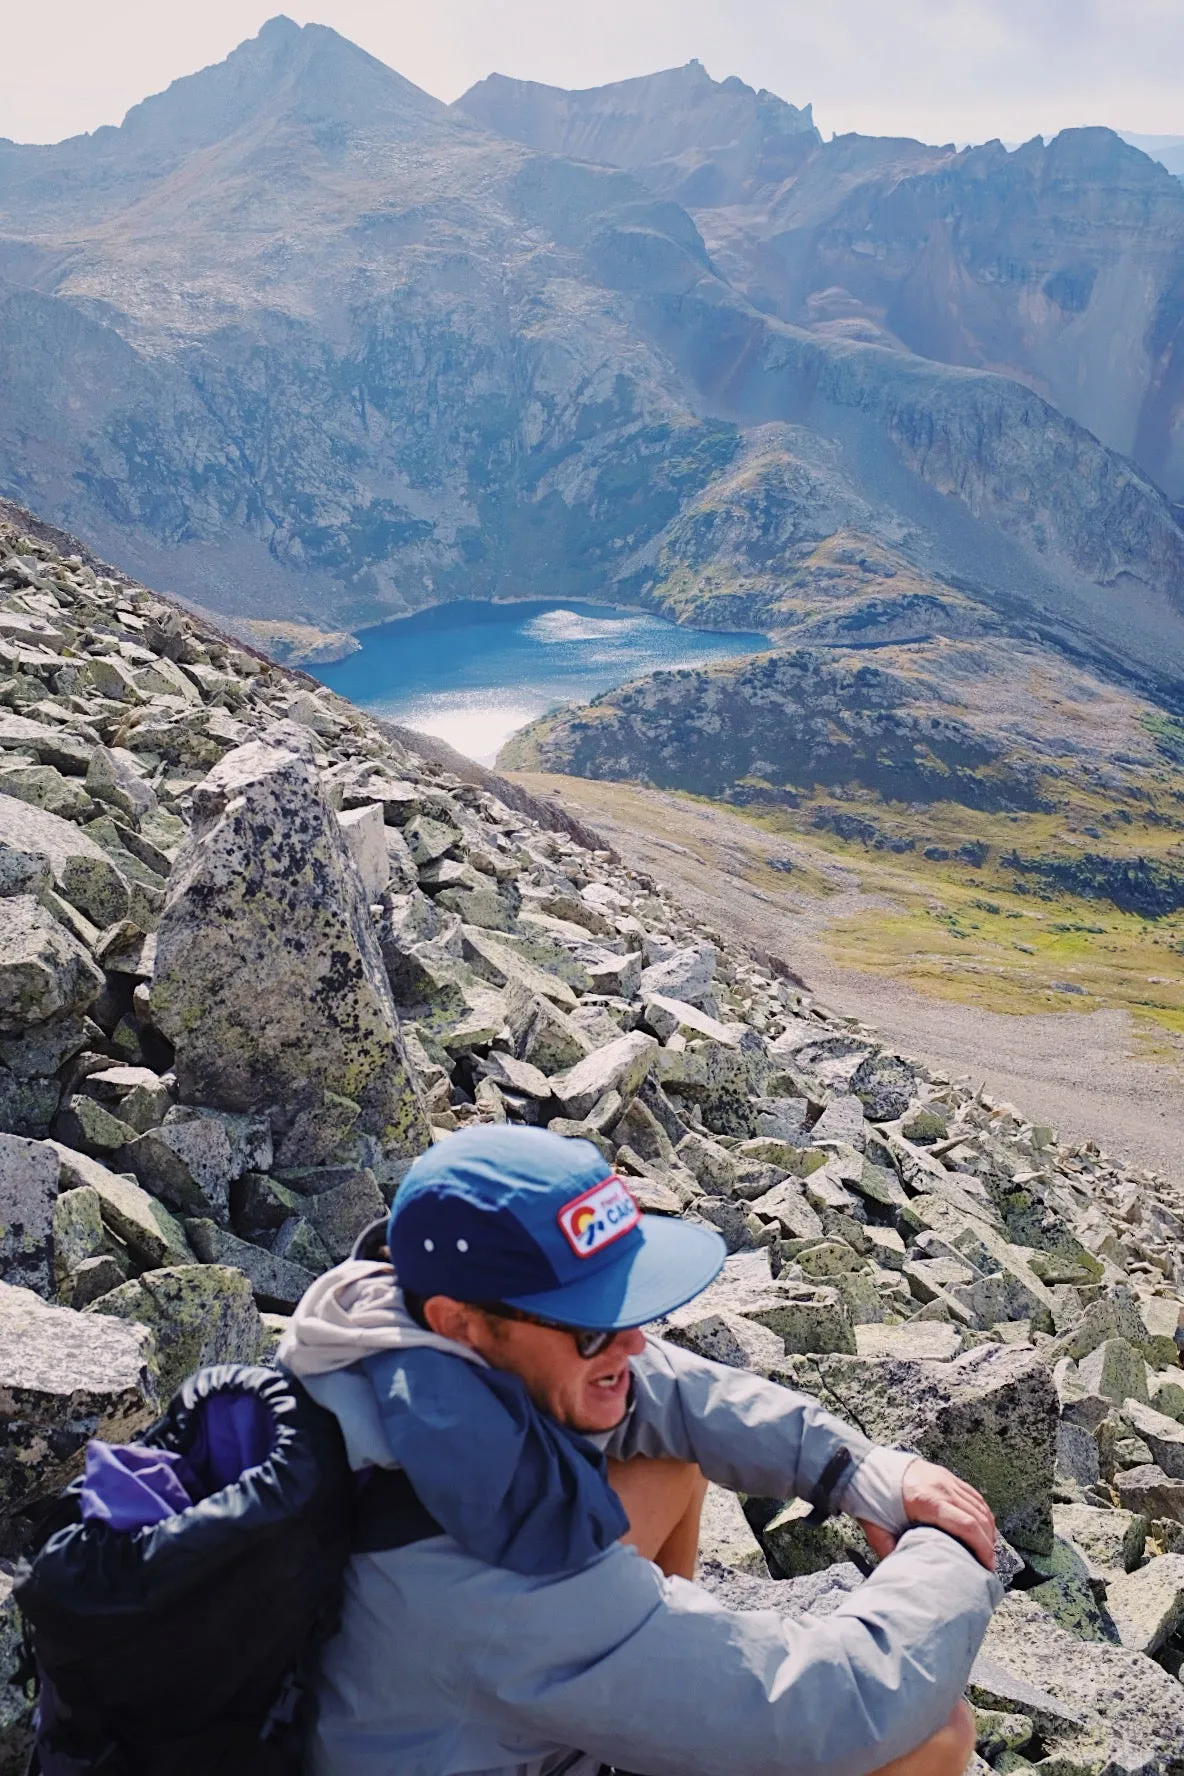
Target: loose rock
[(44, 970), (199, 1314), (62, 1381), (29, 1183)]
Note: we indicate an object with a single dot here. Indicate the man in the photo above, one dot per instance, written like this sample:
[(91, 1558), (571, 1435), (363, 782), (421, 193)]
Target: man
[(539, 1617)]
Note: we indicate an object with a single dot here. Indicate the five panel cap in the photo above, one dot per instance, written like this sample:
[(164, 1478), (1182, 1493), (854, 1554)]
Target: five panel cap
[(541, 1222)]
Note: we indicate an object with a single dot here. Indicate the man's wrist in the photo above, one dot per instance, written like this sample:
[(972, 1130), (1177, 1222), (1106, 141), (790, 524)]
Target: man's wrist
[(876, 1489)]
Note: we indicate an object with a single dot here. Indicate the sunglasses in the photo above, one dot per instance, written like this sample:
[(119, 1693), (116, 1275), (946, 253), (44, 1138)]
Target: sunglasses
[(589, 1344)]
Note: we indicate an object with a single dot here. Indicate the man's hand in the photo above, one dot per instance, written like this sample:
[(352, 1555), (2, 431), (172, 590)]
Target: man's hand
[(934, 1495)]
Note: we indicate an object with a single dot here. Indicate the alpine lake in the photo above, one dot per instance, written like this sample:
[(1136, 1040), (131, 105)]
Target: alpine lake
[(474, 673)]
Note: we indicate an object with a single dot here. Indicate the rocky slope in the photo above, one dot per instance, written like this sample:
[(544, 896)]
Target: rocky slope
[(256, 952), (305, 345), (1056, 264)]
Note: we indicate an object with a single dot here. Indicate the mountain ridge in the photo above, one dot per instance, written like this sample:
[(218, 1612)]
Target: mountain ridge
[(1055, 263), (692, 138), (348, 360)]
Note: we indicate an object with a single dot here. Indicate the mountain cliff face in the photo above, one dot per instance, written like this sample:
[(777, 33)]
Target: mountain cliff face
[(303, 343), (1060, 265)]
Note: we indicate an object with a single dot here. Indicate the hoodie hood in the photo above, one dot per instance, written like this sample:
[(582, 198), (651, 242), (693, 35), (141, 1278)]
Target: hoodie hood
[(353, 1312), (508, 1484)]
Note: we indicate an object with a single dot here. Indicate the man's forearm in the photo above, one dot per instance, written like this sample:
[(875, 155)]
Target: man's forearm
[(753, 1435), (679, 1686)]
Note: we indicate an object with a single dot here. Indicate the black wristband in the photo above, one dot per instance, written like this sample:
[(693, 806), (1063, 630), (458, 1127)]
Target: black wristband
[(823, 1491)]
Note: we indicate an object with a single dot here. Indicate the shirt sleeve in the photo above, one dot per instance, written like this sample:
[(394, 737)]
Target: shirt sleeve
[(647, 1673), (752, 1435), (875, 1492)]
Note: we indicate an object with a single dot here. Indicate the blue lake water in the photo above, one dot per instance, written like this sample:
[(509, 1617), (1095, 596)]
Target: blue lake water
[(472, 673)]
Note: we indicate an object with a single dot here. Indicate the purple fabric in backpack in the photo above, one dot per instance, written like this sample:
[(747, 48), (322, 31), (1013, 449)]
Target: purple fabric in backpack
[(235, 1431), (130, 1486)]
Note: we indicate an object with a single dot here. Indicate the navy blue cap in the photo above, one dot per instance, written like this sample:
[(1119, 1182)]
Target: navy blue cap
[(541, 1222)]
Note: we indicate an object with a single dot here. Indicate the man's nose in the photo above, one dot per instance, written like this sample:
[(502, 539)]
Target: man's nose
[(630, 1343)]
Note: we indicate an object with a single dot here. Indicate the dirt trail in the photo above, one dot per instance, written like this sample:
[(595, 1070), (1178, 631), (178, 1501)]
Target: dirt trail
[(1079, 1072)]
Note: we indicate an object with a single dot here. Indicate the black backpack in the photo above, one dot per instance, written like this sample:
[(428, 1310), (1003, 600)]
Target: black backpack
[(191, 1647)]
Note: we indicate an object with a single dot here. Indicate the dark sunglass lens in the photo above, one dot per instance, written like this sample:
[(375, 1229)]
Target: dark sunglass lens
[(590, 1344)]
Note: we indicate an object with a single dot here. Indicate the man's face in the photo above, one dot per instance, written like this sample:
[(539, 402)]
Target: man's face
[(585, 1394)]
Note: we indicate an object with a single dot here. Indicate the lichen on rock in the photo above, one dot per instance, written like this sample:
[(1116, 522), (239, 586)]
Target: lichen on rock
[(268, 976)]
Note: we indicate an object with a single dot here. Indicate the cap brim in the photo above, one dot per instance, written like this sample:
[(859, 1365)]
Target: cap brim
[(674, 1262)]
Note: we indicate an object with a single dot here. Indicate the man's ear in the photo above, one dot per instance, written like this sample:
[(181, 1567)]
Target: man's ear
[(451, 1319)]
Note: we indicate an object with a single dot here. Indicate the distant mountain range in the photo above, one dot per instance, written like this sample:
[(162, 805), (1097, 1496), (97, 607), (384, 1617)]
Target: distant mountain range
[(298, 341)]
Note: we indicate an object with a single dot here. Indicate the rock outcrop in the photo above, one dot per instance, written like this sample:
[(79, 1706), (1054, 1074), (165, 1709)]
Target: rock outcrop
[(228, 1081), (874, 744), (268, 979)]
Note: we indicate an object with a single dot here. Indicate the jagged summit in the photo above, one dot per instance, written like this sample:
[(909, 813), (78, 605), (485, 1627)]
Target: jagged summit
[(1089, 153), (288, 74), (309, 68), (1055, 263), (689, 136)]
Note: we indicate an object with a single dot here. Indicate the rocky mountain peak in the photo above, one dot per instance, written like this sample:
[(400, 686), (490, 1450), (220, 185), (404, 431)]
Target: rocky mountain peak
[(286, 68), (306, 75), (689, 136), (1096, 154)]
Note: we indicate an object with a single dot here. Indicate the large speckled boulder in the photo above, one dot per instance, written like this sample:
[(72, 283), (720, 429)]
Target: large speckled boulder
[(885, 1086), (990, 1415), (1163, 1436), (29, 1178), (688, 974), (1103, 1707), (794, 1546), (619, 1066), (64, 1377), (1148, 1604), (339, 1202), (44, 969), (277, 1281), (192, 1159), (725, 1337), (1150, 1492), (199, 1314), (269, 979), (152, 1235)]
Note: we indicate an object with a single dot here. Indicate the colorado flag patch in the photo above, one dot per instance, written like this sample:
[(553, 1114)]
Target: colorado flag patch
[(599, 1216)]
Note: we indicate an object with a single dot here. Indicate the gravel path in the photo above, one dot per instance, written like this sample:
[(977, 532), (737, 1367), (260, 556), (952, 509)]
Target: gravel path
[(1077, 1072)]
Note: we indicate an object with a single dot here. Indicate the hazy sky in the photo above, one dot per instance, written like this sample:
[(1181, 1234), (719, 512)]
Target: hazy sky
[(943, 70)]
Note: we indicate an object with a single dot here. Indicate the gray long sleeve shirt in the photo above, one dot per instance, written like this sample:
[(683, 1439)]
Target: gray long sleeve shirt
[(446, 1665)]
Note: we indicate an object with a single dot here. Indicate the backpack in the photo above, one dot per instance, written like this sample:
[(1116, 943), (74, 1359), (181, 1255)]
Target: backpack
[(190, 1646)]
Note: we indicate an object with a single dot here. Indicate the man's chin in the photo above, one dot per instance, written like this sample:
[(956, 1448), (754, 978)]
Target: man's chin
[(612, 1413)]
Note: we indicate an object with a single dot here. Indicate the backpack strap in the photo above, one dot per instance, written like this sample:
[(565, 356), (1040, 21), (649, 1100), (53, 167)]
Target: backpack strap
[(388, 1514)]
